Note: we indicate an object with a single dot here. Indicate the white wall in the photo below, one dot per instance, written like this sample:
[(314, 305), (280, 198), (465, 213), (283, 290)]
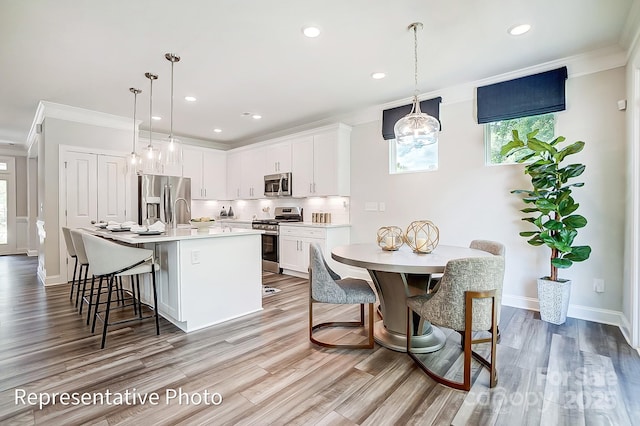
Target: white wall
[(468, 200), (62, 132)]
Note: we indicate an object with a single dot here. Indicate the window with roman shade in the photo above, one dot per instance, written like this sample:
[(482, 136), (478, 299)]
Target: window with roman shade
[(536, 94), (391, 116)]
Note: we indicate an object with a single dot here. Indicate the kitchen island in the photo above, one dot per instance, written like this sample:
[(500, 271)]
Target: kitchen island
[(203, 278)]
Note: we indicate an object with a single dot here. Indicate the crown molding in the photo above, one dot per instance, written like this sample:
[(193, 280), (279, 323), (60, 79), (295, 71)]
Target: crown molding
[(48, 109)]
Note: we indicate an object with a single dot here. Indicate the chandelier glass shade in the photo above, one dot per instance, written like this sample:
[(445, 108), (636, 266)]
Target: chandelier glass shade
[(417, 126), (172, 155)]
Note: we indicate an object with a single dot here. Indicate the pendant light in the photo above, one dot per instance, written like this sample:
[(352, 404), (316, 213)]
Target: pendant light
[(173, 148), (417, 126), (151, 156), (134, 158)]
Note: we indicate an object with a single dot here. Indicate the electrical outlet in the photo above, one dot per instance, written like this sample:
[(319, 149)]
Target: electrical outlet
[(598, 285), (195, 257)]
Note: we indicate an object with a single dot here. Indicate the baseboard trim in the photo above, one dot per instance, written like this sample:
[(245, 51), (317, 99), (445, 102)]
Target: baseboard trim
[(32, 253), (587, 313)]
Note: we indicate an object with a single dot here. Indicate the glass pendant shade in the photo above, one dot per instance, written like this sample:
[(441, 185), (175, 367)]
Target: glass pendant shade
[(172, 152), (134, 164), (416, 127), (151, 156)]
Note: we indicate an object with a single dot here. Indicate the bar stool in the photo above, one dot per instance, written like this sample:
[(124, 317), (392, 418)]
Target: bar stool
[(81, 257), (112, 261), (72, 253)]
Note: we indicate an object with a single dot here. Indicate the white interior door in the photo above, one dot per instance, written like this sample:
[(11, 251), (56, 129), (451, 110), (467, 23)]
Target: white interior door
[(111, 188), (7, 205), (81, 185)]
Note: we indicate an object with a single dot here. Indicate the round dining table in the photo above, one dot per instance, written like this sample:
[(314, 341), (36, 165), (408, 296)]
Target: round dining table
[(396, 276)]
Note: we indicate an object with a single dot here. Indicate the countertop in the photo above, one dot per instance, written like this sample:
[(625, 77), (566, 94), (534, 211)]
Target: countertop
[(316, 225), (176, 234)]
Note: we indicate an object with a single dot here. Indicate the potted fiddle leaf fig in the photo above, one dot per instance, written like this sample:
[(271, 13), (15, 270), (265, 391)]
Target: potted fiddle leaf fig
[(551, 209)]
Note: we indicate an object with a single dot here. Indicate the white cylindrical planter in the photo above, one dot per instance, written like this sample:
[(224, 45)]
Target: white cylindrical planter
[(553, 297)]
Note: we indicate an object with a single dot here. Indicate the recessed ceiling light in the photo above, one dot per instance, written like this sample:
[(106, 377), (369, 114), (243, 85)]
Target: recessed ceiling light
[(256, 116), (519, 29), (378, 75), (311, 31), (156, 118), (189, 99), (217, 130)]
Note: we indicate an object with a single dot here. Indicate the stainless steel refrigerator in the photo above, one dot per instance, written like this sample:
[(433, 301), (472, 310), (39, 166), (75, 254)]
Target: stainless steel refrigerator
[(163, 198)]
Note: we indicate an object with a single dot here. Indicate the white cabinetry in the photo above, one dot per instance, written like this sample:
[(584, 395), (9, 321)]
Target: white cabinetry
[(320, 163), (278, 158), (158, 168), (294, 244), (207, 169), (245, 174)]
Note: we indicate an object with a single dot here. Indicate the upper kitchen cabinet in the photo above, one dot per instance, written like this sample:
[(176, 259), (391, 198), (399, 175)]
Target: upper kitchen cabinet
[(245, 174), (321, 162), (207, 169), (278, 158)]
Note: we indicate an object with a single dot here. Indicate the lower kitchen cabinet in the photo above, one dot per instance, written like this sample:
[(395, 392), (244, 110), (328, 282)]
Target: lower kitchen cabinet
[(294, 244)]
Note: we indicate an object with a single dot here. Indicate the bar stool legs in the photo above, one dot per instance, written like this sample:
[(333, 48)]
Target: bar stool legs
[(73, 282)]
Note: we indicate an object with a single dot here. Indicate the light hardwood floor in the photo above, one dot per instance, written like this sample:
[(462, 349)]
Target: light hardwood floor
[(267, 372)]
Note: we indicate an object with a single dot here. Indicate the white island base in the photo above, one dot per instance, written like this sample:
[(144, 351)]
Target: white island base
[(206, 279)]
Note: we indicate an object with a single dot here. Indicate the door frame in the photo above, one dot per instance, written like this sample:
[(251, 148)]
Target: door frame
[(10, 175)]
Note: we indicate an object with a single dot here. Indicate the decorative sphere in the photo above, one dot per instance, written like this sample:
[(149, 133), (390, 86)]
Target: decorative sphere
[(422, 236), (389, 238)]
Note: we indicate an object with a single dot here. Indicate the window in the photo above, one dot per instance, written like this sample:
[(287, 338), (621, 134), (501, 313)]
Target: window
[(407, 158), (498, 133)]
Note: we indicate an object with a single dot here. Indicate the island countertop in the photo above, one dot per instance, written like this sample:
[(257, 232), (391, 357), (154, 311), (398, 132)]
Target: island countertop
[(175, 234)]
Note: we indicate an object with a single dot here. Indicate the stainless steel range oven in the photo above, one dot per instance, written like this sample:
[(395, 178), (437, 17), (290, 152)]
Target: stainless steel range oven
[(271, 228)]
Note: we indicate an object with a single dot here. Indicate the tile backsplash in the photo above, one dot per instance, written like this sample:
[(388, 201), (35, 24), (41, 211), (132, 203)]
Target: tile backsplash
[(264, 208)]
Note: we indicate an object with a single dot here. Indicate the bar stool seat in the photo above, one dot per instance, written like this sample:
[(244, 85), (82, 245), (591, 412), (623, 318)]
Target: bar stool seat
[(109, 261)]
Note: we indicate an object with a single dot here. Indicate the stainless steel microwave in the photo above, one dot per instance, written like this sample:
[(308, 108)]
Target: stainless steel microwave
[(277, 185)]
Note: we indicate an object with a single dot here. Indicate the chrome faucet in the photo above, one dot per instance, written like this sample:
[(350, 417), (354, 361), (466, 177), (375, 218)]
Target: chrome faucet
[(174, 216)]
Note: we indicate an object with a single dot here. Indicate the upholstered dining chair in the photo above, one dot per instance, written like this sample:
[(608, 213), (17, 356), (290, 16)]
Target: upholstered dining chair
[(71, 251), (325, 286), (111, 261), (466, 301)]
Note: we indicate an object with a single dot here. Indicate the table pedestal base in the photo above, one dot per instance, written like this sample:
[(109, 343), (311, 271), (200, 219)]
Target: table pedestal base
[(431, 341)]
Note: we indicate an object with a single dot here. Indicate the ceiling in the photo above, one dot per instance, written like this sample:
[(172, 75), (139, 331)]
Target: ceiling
[(250, 55)]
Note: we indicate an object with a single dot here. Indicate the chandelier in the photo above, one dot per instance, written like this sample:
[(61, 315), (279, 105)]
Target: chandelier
[(417, 126)]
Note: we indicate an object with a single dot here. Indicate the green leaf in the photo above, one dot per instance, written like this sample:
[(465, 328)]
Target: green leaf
[(574, 148), (579, 253), (572, 170), (535, 241), (565, 208), (513, 145), (557, 140), (529, 210), (545, 206), (553, 225), (539, 146), (575, 221), (528, 233), (562, 263)]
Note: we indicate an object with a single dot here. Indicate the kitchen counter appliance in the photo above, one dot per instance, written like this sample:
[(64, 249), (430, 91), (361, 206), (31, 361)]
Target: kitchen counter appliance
[(271, 228)]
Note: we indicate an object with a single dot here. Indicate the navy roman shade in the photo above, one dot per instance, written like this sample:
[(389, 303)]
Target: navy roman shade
[(532, 95), (391, 116)]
